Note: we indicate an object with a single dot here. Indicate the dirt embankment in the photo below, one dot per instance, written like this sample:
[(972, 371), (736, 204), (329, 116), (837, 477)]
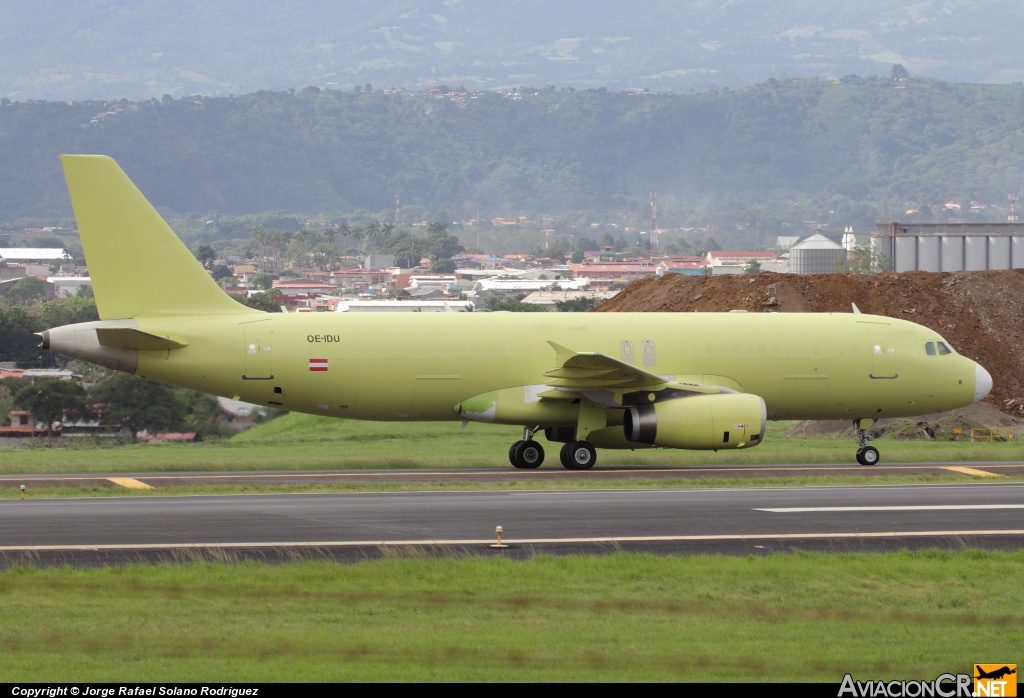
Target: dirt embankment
[(980, 313)]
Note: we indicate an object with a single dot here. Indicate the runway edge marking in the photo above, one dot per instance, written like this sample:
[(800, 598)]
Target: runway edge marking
[(130, 483), (971, 471)]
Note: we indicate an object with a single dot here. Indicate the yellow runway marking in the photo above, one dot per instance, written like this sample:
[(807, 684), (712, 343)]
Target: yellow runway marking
[(527, 541), (971, 471), (131, 483)]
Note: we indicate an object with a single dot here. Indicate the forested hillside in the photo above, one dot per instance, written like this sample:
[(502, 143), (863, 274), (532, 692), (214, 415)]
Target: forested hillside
[(863, 148)]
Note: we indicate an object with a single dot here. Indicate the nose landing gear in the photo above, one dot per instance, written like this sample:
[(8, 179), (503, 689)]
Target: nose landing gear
[(866, 455)]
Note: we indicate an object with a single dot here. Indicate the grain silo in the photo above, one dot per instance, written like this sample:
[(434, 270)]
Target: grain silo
[(815, 255)]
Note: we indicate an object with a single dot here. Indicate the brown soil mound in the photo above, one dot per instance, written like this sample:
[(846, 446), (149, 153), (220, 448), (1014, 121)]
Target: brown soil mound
[(980, 313), (942, 425)]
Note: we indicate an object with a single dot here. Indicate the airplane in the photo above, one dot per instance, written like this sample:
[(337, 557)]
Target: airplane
[(995, 673), (704, 381)]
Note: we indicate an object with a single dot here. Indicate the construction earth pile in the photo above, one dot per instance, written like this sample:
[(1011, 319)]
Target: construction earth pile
[(980, 313)]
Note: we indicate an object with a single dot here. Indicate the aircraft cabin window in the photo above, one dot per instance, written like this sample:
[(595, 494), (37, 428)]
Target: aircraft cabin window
[(929, 348), (943, 349)]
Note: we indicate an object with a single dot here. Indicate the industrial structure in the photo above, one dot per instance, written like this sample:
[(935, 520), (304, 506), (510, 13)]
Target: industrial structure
[(815, 255), (948, 246)]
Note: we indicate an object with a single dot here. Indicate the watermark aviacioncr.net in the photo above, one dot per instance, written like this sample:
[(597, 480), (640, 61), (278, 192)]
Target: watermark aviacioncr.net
[(988, 681)]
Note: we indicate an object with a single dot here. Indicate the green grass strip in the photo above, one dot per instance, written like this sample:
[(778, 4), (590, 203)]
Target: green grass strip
[(304, 442), (623, 617)]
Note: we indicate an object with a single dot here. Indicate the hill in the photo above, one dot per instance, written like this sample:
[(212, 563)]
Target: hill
[(139, 49), (753, 160)]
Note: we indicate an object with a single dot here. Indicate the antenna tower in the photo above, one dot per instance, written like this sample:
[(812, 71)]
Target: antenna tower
[(1013, 214), (654, 223)]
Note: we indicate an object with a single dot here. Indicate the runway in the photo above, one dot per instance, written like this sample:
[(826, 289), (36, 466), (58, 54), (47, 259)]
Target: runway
[(361, 525), (161, 479)]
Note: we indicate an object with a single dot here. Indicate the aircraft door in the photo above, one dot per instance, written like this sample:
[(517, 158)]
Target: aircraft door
[(258, 357), (883, 352)]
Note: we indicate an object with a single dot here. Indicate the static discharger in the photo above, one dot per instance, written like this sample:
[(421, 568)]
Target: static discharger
[(23, 496), (499, 530)]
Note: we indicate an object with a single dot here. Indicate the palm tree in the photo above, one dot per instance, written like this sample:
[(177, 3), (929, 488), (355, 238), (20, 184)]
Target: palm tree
[(372, 233), (259, 234)]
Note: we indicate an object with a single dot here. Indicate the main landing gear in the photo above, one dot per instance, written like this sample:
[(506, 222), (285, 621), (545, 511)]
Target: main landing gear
[(528, 454), (866, 455), (578, 455)]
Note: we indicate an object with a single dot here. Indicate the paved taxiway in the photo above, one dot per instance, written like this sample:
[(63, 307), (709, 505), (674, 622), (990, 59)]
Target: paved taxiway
[(90, 530)]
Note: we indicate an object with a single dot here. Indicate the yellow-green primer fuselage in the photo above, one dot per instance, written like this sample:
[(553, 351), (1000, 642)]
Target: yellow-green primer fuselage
[(422, 366)]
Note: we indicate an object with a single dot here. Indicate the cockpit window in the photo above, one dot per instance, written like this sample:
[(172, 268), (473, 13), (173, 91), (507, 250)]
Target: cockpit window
[(943, 349), (929, 348)]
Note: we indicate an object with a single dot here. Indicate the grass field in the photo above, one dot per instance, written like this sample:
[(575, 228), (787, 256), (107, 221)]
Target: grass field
[(300, 442), (801, 617)]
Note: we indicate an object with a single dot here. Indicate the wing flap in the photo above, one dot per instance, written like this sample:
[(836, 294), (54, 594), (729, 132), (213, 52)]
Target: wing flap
[(588, 370)]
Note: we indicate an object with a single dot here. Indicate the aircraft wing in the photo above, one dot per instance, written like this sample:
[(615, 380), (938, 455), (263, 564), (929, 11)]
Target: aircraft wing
[(610, 382), (591, 370)]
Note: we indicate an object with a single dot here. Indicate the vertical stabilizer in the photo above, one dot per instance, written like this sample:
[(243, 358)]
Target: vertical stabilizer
[(138, 266)]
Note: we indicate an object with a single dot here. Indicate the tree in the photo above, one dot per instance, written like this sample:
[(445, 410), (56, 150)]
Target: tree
[(262, 238), (48, 399), (580, 304), (512, 304), (221, 272), (862, 260), (263, 280), (261, 301), (137, 403), (9, 387), (206, 256), (26, 290), (17, 339), (899, 72), (68, 311), (202, 411), (440, 244), (707, 246), (324, 255), (443, 266), (752, 267)]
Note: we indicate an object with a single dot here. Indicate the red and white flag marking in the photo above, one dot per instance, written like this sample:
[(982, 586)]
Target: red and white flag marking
[(318, 364)]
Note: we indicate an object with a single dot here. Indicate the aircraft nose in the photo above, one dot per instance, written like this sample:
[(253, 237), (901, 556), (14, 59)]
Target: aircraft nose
[(982, 382)]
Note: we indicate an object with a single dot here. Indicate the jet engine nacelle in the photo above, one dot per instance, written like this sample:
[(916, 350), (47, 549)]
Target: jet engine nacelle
[(699, 422)]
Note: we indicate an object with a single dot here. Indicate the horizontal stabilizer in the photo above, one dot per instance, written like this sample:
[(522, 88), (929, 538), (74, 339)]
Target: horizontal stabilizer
[(130, 338)]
